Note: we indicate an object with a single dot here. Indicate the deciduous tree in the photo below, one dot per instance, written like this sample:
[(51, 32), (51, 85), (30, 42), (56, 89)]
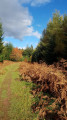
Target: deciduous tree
[(16, 54)]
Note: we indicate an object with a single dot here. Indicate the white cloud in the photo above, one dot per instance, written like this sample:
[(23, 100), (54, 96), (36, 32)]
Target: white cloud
[(5, 42), (25, 1), (35, 2), (39, 2), (37, 34), (24, 48), (16, 20), (38, 25), (19, 47)]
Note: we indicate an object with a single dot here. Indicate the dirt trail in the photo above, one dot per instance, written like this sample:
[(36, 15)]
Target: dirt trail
[(15, 101), (5, 99)]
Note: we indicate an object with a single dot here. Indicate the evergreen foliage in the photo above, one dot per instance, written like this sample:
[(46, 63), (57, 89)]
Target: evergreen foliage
[(7, 51), (1, 43), (28, 51), (53, 43)]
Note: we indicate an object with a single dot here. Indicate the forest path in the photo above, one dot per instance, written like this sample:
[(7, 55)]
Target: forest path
[(5, 91), (15, 97)]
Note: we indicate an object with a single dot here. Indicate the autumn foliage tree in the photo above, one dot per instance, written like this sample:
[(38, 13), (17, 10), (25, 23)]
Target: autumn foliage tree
[(16, 54)]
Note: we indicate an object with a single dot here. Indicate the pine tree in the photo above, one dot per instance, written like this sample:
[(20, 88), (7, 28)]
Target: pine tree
[(53, 43), (1, 43)]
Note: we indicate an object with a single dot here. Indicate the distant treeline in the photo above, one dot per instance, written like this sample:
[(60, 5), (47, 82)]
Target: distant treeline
[(8, 52), (51, 48)]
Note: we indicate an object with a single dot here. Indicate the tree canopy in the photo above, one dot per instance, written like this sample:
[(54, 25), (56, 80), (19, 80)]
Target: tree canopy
[(28, 51), (53, 43), (16, 54), (1, 42), (7, 51)]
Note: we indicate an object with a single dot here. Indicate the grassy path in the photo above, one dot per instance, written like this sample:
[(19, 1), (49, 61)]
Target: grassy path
[(15, 97)]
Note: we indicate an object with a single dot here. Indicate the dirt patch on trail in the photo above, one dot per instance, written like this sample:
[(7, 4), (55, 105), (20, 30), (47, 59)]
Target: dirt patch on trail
[(5, 99)]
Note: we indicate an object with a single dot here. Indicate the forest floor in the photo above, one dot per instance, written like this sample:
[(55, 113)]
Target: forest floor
[(15, 96)]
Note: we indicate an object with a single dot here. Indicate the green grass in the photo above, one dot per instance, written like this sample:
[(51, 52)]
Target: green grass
[(4, 94), (21, 100), (34, 86), (1, 114), (25, 57), (3, 73), (2, 76), (36, 100)]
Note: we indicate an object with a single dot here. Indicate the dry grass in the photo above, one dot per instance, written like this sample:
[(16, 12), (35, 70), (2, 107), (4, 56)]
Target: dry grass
[(51, 80)]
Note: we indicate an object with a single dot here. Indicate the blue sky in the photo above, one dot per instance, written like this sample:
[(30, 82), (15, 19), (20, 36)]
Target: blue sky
[(24, 20)]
